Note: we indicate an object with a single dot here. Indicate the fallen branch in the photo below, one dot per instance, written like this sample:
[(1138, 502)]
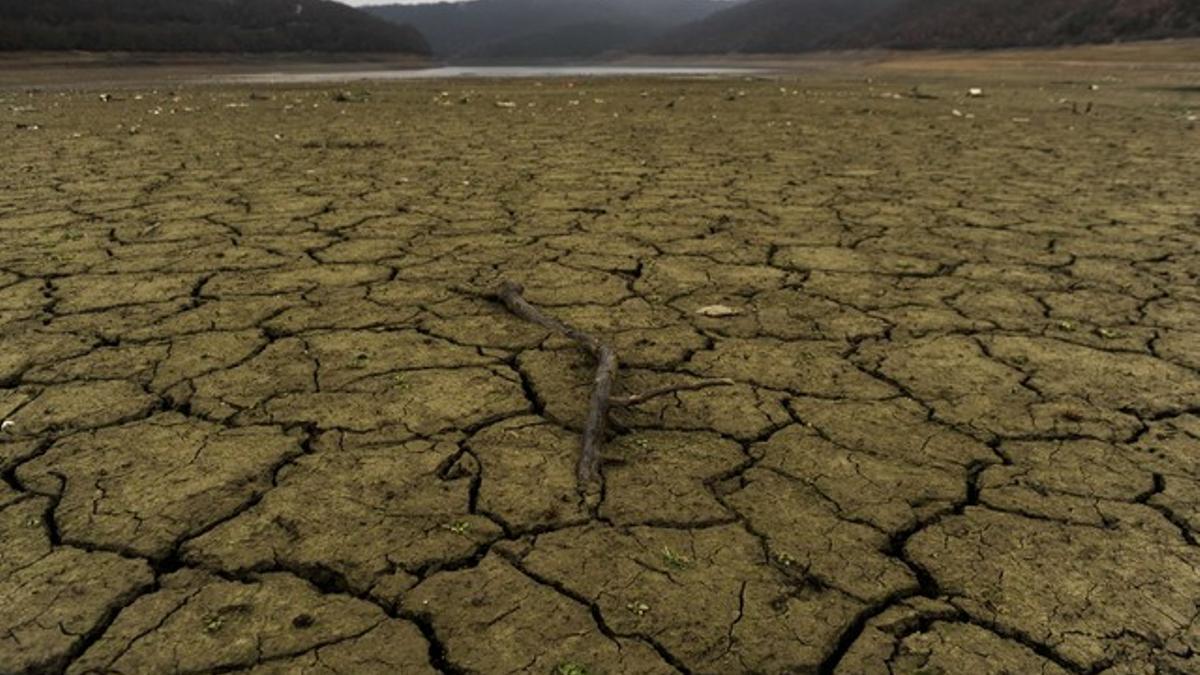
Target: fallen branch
[(587, 471), (638, 399)]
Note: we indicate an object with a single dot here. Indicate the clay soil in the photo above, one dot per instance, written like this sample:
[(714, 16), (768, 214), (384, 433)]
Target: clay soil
[(260, 420)]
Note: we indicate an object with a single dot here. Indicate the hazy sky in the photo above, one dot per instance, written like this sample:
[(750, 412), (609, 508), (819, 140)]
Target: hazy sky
[(360, 3)]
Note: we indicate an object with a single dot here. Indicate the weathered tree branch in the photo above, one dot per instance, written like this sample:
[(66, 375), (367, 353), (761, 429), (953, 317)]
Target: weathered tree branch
[(587, 470), (638, 399)]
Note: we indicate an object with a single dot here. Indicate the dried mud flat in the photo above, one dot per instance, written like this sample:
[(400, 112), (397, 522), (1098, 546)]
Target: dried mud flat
[(260, 423)]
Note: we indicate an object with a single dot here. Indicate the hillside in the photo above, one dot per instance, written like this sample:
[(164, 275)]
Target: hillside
[(782, 26), (767, 26), (200, 26), (544, 28), (1013, 23)]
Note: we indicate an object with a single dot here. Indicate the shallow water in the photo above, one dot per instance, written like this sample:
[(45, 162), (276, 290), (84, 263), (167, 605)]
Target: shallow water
[(485, 72)]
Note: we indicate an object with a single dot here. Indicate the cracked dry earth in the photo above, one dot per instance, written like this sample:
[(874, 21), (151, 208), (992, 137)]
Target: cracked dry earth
[(261, 422)]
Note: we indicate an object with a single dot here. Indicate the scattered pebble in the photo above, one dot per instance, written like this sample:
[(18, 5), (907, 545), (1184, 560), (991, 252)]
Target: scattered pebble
[(7, 426), (638, 608), (718, 311), (975, 92)]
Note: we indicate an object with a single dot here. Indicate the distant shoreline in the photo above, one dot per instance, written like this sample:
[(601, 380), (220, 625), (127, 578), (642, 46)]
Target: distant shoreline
[(68, 68), (118, 58), (115, 69)]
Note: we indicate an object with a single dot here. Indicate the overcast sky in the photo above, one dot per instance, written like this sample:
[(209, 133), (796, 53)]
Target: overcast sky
[(361, 3)]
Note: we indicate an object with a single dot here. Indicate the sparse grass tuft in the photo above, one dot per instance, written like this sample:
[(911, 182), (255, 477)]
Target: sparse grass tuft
[(459, 528), (674, 559)]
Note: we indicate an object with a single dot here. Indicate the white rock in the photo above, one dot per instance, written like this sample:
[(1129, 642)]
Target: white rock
[(718, 311)]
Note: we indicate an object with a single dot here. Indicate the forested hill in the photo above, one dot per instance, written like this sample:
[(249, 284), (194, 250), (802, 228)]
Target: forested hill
[(544, 28), (200, 26), (976, 24), (788, 26), (766, 26)]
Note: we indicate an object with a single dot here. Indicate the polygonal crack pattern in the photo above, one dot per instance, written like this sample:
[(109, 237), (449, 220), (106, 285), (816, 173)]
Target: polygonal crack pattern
[(262, 420)]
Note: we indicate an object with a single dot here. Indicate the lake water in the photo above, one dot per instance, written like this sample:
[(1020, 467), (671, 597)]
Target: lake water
[(486, 72)]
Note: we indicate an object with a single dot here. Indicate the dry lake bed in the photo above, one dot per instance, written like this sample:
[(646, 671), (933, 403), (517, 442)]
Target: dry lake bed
[(259, 415)]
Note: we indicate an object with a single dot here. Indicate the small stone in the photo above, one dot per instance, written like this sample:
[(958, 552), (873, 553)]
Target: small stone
[(638, 608), (718, 311), (7, 426), (975, 92)]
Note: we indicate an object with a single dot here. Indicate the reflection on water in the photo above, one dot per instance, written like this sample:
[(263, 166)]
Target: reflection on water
[(484, 71)]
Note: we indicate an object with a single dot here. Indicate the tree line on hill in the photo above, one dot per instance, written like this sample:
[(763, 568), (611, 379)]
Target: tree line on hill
[(549, 28), (200, 26), (528, 29)]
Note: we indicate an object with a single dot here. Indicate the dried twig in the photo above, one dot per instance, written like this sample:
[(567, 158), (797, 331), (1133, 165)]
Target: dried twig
[(588, 469), (638, 399)]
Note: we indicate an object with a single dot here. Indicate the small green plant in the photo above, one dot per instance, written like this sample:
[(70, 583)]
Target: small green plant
[(1108, 334), (213, 623), (1066, 325), (459, 528), (638, 608), (674, 559), (360, 361), (571, 668), (785, 559)]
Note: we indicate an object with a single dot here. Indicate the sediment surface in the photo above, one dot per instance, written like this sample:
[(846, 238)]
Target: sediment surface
[(262, 420)]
